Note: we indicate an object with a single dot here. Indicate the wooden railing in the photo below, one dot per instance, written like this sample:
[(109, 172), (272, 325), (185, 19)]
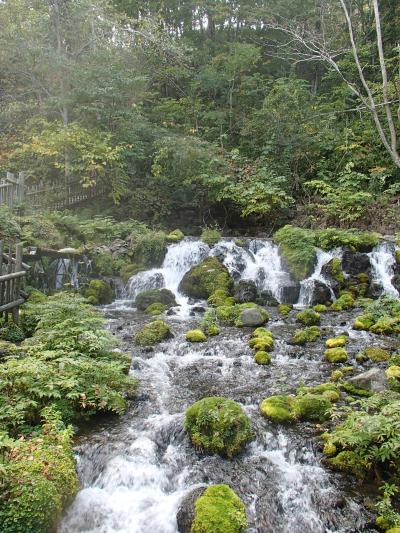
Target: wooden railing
[(16, 190), (12, 280)]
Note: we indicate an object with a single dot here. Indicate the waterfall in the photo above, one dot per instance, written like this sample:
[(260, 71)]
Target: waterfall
[(383, 263), (308, 284)]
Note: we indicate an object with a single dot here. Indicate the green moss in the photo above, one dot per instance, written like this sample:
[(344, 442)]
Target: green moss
[(128, 270), (99, 292), (336, 270), (349, 388), (209, 324), (348, 461), (330, 238), (337, 342), (308, 317), (261, 340), (393, 372), (261, 332), (385, 325), (284, 309), (336, 375), (312, 407), (175, 236), (336, 355), (320, 308), (202, 280), (230, 314), (156, 309), (149, 249), (210, 236), (278, 408), (362, 322), (297, 248), (262, 358), (219, 510), (317, 389), (345, 301), (302, 336), (39, 480), (398, 257), (221, 297), (218, 425), (195, 335), (152, 333), (329, 449), (376, 354), (152, 296)]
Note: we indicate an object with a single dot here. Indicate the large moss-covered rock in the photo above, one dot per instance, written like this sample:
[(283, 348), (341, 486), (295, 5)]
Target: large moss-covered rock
[(202, 280), (375, 354), (99, 292), (245, 291), (252, 317), (195, 335), (219, 510), (311, 407), (152, 296), (218, 425), (345, 301), (153, 333), (337, 342), (278, 408)]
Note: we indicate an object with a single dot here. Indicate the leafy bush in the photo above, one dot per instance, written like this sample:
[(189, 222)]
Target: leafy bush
[(149, 249), (210, 236), (38, 478)]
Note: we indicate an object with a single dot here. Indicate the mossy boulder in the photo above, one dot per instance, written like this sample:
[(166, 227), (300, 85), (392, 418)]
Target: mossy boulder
[(175, 236), (336, 375), (284, 309), (308, 317), (297, 248), (232, 314), (219, 510), (202, 280), (345, 301), (218, 425), (262, 358), (152, 296), (320, 308), (278, 408), (153, 333), (261, 340), (362, 322), (210, 236), (336, 355), (337, 342), (195, 335), (156, 309), (256, 316), (99, 292), (348, 461), (302, 336), (375, 354), (220, 297)]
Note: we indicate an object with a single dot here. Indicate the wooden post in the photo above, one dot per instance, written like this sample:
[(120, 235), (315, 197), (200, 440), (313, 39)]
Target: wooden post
[(17, 282), (21, 187)]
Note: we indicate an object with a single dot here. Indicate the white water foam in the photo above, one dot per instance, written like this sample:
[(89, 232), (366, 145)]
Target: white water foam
[(383, 262)]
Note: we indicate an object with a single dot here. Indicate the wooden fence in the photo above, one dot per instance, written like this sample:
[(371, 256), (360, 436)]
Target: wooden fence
[(15, 190), (12, 279)]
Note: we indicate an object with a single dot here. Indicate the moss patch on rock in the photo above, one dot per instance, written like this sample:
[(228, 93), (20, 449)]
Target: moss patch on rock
[(155, 296), (99, 292), (195, 335), (297, 248), (320, 308), (153, 333), (337, 342), (308, 317), (336, 355), (284, 309), (375, 354), (302, 336), (219, 510), (345, 301), (210, 236), (218, 425), (156, 309), (175, 236), (311, 407), (202, 280), (262, 358)]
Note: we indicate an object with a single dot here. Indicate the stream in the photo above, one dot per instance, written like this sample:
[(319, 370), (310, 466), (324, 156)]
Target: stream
[(136, 469)]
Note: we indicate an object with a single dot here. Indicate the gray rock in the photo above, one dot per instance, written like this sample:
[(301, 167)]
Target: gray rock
[(267, 298), (185, 514), (320, 293), (373, 380), (290, 293), (251, 317), (245, 291), (355, 263)]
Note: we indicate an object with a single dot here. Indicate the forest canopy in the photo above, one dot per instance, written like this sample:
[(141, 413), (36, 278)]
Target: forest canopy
[(232, 113)]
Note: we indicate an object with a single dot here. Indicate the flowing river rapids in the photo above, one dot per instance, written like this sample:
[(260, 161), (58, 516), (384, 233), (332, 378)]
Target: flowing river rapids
[(135, 470)]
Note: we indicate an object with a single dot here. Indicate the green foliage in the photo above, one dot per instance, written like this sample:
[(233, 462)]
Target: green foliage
[(345, 301), (209, 324), (99, 292), (175, 236), (219, 510), (284, 309), (38, 478), (153, 333), (210, 236), (361, 241), (11, 332), (218, 425), (156, 309), (381, 316), (149, 249)]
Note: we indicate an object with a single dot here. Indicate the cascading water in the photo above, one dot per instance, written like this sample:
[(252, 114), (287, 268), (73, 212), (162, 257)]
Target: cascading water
[(308, 284), (383, 262)]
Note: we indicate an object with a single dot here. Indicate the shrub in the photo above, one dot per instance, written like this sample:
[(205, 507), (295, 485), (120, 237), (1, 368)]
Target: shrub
[(218, 425), (39, 479), (153, 333), (219, 510), (209, 324), (11, 332)]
